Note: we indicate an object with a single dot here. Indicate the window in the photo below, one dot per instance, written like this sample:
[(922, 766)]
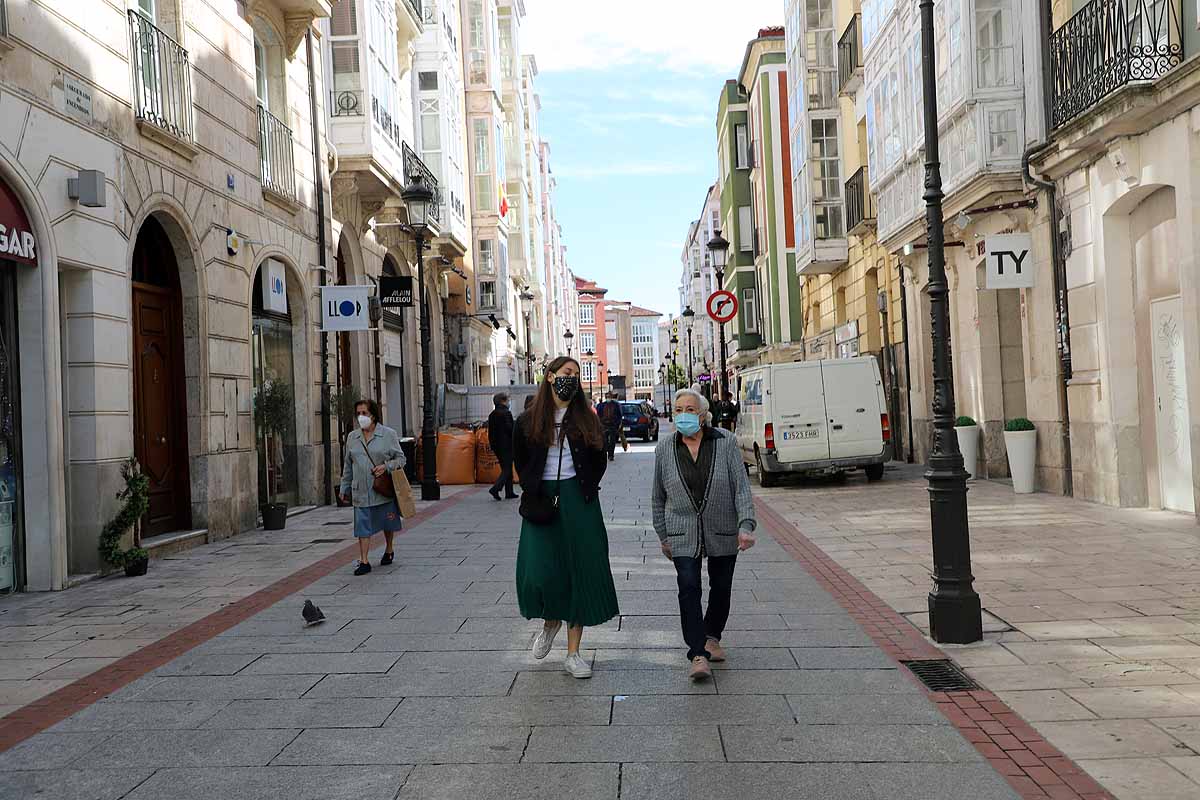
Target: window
[(343, 47), (385, 67), (1002, 133), (431, 135), (589, 371), (427, 81), (825, 163), (745, 229), (485, 196), (487, 257), (487, 294), (994, 51), (610, 329), (260, 73), (477, 63), (587, 341), (749, 313), (743, 146), (587, 314), (820, 55)]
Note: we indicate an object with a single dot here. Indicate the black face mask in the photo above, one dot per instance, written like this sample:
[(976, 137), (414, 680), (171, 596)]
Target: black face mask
[(565, 386)]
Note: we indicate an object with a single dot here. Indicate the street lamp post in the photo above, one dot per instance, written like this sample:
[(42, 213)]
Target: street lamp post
[(674, 371), (599, 369), (590, 355), (688, 315), (569, 337), (527, 298), (418, 198), (954, 608), (719, 247)]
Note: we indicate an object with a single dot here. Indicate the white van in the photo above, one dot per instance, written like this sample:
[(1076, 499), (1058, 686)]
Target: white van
[(814, 417)]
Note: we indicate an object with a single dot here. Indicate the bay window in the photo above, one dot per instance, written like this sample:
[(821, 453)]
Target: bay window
[(481, 138), (995, 46), (477, 38)]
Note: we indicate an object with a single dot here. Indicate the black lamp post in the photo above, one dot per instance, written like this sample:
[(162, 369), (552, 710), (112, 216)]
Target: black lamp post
[(954, 609), (527, 298), (599, 369), (674, 371), (569, 337), (719, 247), (688, 315), (589, 355), (419, 198)]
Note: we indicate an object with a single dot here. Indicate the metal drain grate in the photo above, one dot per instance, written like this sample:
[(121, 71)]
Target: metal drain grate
[(326, 541), (941, 675)]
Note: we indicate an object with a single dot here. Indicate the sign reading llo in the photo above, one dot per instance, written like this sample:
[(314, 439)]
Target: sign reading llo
[(345, 308), (396, 292)]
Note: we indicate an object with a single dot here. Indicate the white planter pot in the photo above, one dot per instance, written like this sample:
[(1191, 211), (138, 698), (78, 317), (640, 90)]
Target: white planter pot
[(968, 445), (1022, 459)]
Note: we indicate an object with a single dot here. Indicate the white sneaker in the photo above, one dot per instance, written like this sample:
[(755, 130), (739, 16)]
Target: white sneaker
[(576, 667), (544, 641)]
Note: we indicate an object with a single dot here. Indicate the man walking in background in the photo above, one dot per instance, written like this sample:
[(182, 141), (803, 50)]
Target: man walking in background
[(610, 417), (727, 412), (500, 439)]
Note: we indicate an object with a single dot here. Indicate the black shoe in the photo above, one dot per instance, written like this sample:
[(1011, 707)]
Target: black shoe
[(362, 569), (387, 559), (495, 495), (513, 496)]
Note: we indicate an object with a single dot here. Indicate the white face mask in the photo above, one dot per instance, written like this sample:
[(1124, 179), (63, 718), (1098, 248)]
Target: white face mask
[(364, 421)]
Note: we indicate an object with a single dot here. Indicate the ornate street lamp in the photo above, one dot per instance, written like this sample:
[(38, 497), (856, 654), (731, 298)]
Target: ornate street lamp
[(674, 371), (954, 608), (719, 247), (569, 337), (688, 315), (527, 298), (589, 355), (419, 198)]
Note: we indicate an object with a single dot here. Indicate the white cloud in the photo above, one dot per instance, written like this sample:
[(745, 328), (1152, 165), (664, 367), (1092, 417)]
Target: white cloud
[(625, 169), (687, 36)]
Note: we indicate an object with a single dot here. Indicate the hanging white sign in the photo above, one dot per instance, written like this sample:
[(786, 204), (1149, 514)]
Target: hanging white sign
[(1009, 261), (345, 308), (274, 286)]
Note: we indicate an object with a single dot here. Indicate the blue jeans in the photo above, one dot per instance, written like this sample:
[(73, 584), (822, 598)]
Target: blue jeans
[(700, 626)]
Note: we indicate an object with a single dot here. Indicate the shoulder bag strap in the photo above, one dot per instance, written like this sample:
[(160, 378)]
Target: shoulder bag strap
[(562, 442), (363, 442)]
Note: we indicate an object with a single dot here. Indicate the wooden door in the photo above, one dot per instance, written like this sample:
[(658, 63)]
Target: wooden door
[(160, 421)]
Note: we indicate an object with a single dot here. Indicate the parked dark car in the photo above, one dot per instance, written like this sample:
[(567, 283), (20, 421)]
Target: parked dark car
[(639, 420)]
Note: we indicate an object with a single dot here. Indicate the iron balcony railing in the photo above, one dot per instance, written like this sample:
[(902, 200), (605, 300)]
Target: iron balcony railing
[(276, 155), (850, 65), (346, 103), (1108, 44), (860, 205), (162, 78), (414, 167)]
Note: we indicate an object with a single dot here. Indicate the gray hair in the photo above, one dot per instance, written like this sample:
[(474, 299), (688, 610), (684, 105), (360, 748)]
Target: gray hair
[(701, 401)]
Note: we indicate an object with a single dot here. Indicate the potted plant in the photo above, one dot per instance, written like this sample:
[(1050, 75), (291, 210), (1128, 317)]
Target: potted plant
[(967, 430), (1020, 439), (273, 415), (136, 497)]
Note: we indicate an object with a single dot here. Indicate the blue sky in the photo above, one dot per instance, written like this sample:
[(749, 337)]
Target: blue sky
[(629, 97)]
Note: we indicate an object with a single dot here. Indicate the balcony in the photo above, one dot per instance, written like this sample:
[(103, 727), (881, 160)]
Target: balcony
[(850, 65), (276, 157), (415, 169), (162, 85), (860, 204), (1108, 45)]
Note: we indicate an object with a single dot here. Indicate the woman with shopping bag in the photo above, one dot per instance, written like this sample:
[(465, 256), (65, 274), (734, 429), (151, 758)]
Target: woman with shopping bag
[(373, 454)]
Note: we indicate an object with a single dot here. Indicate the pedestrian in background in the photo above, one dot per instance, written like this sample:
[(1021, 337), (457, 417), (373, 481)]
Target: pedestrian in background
[(611, 418), (500, 439), (563, 571), (727, 412), (702, 509), (372, 452)]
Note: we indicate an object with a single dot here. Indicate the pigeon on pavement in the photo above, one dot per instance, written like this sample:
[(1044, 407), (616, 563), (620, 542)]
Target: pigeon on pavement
[(312, 614)]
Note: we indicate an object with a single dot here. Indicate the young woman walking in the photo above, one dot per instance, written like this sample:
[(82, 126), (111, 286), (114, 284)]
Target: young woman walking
[(563, 572), (372, 450), (702, 508)]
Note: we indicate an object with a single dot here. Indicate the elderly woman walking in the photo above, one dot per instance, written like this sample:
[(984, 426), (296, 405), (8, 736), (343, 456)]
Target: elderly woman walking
[(372, 453), (702, 508)]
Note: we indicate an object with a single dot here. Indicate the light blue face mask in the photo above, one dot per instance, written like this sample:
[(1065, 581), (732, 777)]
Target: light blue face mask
[(687, 424)]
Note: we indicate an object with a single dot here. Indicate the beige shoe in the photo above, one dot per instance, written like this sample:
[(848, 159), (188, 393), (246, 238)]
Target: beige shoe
[(716, 653), (700, 670)]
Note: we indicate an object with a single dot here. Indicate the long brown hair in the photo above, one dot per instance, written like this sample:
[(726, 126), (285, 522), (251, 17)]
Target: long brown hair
[(579, 421)]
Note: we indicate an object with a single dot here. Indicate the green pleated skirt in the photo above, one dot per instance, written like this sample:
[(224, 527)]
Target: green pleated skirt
[(562, 568)]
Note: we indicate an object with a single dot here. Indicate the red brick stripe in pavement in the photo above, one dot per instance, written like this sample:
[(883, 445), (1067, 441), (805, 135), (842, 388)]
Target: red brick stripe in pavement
[(1033, 766), (41, 714)]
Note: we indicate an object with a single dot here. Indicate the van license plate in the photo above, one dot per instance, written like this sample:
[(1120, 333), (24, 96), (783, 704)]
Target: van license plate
[(807, 433)]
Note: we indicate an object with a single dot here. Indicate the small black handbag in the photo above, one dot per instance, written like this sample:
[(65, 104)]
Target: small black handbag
[(536, 506)]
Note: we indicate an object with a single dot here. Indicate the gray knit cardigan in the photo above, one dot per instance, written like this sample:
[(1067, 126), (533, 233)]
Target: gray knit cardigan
[(726, 509)]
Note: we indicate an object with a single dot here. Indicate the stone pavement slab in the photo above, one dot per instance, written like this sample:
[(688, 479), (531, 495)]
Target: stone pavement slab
[(421, 685)]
